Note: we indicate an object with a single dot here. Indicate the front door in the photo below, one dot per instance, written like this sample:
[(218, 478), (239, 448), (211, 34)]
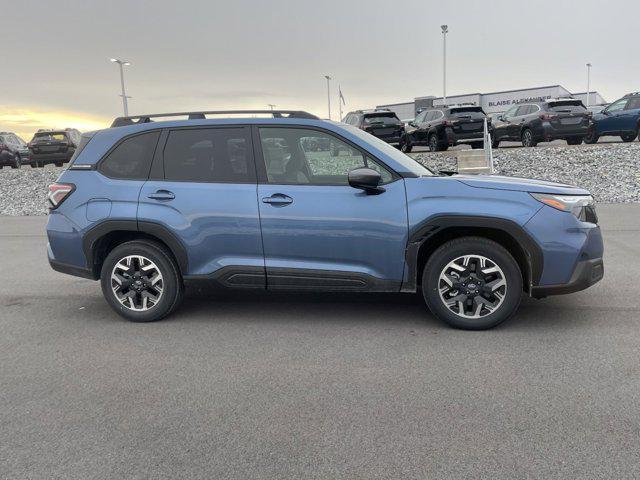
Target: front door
[(317, 231), (203, 190), (612, 119)]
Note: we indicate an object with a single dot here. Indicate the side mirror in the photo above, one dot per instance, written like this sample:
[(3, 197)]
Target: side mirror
[(366, 179), (501, 118), (605, 112)]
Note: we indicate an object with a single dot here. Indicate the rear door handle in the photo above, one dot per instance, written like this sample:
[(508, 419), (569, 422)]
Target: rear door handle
[(278, 199), (162, 195)]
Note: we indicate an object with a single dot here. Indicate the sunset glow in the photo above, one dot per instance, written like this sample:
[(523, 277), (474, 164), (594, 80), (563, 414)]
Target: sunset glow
[(25, 122)]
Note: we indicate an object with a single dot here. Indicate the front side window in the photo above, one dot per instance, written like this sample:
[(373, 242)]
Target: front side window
[(617, 106), (302, 156), (131, 159), (220, 155)]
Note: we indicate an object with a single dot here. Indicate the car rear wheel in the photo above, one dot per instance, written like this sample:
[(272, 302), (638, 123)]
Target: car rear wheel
[(630, 137), (141, 281), (574, 141), (434, 144), (472, 283), (17, 162), (495, 143), (59, 164), (527, 138)]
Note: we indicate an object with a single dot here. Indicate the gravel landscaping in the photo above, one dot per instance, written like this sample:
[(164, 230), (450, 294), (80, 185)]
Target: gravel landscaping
[(611, 171)]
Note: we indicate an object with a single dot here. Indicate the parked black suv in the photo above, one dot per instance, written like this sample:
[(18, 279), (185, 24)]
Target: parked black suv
[(445, 127), (381, 123), (53, 146), (13, 150), (561, 119)]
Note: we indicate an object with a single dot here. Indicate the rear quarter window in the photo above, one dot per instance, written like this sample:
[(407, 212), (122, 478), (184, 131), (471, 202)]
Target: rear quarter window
[(131, 158)]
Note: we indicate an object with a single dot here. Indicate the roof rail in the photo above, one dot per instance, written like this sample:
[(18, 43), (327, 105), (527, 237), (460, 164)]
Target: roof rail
[(147, 118), (373, 110)]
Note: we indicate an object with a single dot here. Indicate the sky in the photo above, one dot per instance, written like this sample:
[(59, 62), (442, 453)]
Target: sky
[(223, 54)]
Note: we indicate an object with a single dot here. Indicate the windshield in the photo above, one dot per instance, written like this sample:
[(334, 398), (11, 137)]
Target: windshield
[(404, 160), (567, 107), (384, 119)]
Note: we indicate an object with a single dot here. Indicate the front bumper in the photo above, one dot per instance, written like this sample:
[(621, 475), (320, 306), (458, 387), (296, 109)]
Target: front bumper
[(586, 273)]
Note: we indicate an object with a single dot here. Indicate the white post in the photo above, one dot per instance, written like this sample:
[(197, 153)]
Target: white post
[(588, 84), (445, 30), (328, 95), (339, 105), (488, 151), (124, 94)]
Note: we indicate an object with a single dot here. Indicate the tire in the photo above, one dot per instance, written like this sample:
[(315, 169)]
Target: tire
[(59, 164), (528, 140), (477, 146), (17, 163), (158, 260), (497, 305), (629, 137), (591, 137), (434, 145), (33, 165), (405, 145), (495, 143), (574, 141)]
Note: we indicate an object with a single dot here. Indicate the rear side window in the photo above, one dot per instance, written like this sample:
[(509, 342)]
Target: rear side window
[(633, 104), (220, 155), (567, 107), (131, 159)]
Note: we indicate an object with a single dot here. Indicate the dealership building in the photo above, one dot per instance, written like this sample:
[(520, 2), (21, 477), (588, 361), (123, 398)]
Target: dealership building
[(494, 102)]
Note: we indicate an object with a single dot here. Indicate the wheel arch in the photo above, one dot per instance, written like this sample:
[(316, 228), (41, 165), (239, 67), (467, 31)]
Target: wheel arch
[(104, 237), (441, 229)]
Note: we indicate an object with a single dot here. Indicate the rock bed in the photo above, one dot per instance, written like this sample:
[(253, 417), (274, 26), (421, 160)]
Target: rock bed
[(610, 171)]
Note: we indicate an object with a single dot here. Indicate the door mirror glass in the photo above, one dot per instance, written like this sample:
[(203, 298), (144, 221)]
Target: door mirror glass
[(366, 179)]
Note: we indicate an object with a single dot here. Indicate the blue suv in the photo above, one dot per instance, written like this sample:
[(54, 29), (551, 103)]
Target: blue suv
[(266, 203), (621, 118)]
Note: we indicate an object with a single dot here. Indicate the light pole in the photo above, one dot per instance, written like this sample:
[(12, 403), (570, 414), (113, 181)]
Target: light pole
[(122, 63), (328, 95), (445, 30), (588, 84)]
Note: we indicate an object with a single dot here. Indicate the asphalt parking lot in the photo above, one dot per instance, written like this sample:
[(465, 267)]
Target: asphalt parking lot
[(258, 385)]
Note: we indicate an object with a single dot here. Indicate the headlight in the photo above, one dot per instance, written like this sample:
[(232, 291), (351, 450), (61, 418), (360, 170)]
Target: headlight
[(582, 206)]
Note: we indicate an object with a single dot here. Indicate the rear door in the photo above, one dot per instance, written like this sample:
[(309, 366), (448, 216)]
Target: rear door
[(203, 189), (317, 231)]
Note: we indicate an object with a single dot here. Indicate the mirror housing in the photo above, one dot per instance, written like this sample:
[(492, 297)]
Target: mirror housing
[(366, 179)]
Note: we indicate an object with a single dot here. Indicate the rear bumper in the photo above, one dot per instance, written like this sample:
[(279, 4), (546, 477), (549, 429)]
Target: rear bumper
[(551, 133), (392, 139), (586, 273), (43, 158), (71, 269)]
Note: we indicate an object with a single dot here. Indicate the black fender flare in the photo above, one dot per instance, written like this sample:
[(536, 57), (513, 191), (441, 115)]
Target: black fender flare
[(433, 225), (162, 233)]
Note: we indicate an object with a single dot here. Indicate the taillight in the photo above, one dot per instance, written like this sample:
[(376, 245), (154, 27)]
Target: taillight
[(58, 192), (546, 116)]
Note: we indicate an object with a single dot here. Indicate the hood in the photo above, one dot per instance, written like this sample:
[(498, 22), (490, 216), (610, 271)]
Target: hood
[(498, 182)]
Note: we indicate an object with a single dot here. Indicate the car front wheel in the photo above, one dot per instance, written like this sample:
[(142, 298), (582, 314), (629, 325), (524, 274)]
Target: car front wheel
[(17, 163), (405, 145), (141, 281), (472, 283), (630, 137)]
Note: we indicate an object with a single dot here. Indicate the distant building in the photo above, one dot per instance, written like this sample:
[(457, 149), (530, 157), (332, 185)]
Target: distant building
[(494, 102)]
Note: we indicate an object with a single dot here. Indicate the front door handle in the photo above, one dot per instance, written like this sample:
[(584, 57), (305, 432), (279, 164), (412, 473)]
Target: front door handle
[(162, 195), (278, 200)]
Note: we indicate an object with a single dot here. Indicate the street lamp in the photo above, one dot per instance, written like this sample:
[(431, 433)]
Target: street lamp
[(122, 63), (445, 30), (328, 95), (588, 84)]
